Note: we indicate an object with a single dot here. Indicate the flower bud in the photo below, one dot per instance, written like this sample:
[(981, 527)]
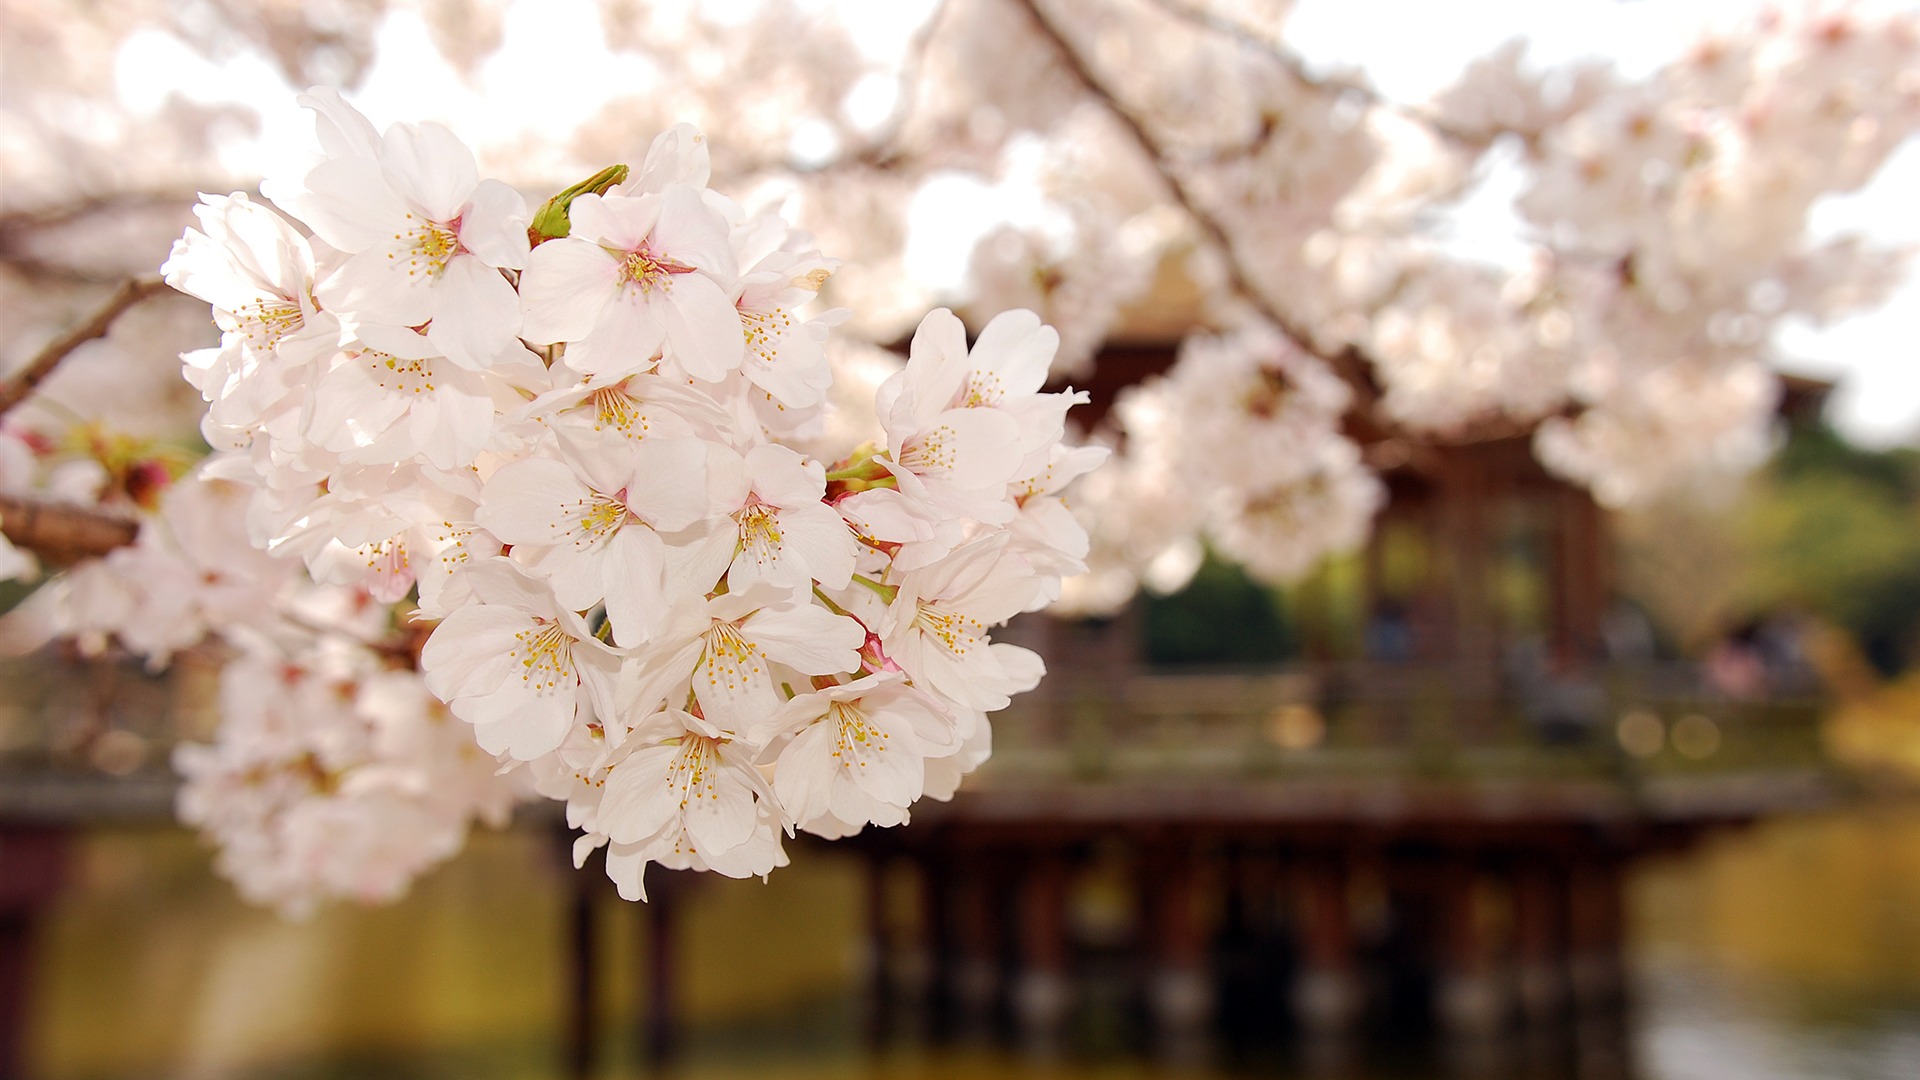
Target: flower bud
[(550, 221)]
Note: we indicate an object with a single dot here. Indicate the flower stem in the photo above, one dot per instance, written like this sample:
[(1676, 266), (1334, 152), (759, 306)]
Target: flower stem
[(885, 592)]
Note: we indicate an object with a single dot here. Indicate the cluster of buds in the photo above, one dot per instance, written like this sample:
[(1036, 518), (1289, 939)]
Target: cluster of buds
[(582, 441)]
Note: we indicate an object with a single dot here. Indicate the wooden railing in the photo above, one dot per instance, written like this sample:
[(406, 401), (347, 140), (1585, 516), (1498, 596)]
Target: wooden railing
[(1399, 720)]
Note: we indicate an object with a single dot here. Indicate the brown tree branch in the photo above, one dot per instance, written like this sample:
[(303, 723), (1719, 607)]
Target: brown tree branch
[(63, 533), (16, 389)]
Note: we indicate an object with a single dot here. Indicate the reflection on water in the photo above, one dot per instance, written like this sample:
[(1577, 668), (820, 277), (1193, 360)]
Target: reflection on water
[(1791, 951)]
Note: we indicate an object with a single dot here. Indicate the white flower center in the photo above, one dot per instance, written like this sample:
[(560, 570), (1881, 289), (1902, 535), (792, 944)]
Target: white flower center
[(694, 769), (759, 532), (646, 271), (612, 407), (454, 541), (398, 375), (765, 331), (983, 389), (731, 658), (854, 735), (268, 319), (593, 518), (546, 652), (930, 451), (957, 632), (388, 557), (428, 245)]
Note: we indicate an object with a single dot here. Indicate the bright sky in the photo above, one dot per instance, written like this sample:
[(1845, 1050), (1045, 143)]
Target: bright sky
[(1873, 355)]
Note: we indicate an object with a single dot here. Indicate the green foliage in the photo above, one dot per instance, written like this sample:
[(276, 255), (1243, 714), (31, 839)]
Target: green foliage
[(1835, 530), (1221, 617)]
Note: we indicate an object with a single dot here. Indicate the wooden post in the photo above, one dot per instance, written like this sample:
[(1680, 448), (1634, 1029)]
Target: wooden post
[(582, 1024), (934, 949), (1043, 995), (1327, 996), (1597, 912), (33, 866), (1540, 938), (974, 982), (879, 953), (660, 1023), (1180, 989), (1468, 997)]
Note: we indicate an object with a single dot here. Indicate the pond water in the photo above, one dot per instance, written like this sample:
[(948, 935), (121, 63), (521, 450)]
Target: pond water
[(1790, 951)]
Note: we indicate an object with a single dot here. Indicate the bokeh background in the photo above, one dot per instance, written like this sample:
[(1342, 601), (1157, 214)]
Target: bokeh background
[(1762, 629)]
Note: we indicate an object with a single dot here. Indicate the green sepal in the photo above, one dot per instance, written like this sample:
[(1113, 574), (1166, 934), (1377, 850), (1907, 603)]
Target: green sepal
[(550, 221)]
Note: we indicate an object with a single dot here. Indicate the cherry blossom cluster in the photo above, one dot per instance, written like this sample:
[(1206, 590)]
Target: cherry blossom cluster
[(1240, 443), (583, 441), (334, 774)]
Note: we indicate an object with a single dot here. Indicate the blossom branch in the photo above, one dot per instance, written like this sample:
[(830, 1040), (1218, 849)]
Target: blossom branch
[(1347, 362), (63, 532), (1250, 39), (21, 385)]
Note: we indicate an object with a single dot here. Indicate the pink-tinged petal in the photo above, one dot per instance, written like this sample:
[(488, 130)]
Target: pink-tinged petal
[(797, 382), (973, 680), (1014, 352), (728, 484), (887, 764), (526, 502), (630, 581), (721, 817), (932, 726), (734, 685), (963, 570), (467, 652), (976, 449), (520, 724), (818, 538), (668, 489), (698, 557), (494, 225), (616, 221), (929, 384), (623, 342), (807, 637), (349, 408), (457, 431), (627, 869), (342, 130), (660, 679), (1005, 594), (476, 317), (431, 167), (368, 285), (806, 770), (637, 801), (884, 514), (395, 340), (1023, 667), (703, 328), (784, 477), (349, 204), (690, 233), (677, 156), (566, 285), (572, 572), (202, 267)]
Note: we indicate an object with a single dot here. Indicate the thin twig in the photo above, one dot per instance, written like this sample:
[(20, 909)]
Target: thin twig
[(16, 389), (1296, 65), (63, 533), (1348, 362)]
